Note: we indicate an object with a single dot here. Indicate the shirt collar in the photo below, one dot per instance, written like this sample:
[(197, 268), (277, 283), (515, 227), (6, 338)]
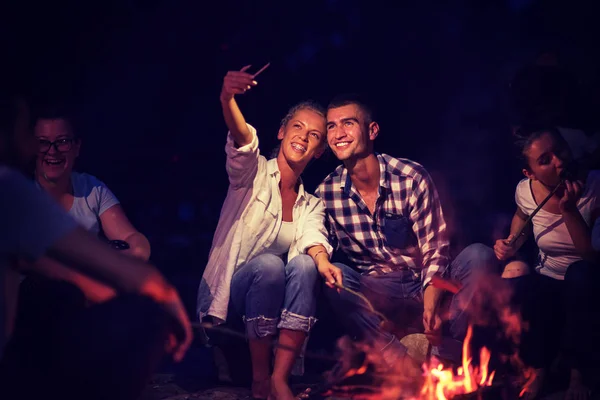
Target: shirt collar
[(346, 182), (384, 182), (273, 171)]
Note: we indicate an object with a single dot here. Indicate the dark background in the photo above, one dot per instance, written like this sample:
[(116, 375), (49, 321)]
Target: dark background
[(144, 79)]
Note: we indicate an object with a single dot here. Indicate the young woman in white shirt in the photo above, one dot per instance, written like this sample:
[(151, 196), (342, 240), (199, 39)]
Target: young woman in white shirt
[(560, 291), (271, 243)]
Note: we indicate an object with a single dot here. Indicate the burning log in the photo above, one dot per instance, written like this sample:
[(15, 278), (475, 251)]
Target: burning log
[(493, 392)]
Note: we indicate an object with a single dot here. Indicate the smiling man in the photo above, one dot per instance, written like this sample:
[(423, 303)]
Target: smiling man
[(385, 218)]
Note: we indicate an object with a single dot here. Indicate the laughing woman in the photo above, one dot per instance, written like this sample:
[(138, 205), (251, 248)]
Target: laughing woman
[(86, 198), (91, 204), (269, 239)]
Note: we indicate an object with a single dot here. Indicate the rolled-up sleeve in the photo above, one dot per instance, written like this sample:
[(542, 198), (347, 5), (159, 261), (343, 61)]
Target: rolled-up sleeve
[(314, 232), (242, 162)]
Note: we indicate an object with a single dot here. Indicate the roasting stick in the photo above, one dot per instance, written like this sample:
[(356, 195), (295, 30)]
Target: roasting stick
[(261, 70), (363, 298), (538, 208)]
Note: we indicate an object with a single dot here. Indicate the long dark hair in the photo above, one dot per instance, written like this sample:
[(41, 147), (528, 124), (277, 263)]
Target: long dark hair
[(526, 135)]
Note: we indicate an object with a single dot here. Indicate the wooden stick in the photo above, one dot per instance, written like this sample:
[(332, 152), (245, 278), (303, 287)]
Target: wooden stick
[(363, 298), (261, 70), (538, 208)]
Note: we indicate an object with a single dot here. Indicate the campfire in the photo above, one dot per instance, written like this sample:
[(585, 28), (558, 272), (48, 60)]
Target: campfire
[(439, 382), (367, 377)]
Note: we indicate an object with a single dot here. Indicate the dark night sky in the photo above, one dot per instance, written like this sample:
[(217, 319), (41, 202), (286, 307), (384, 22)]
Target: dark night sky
[(144, 79)]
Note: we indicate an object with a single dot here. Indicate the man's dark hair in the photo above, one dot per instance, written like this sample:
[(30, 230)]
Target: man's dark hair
[(353, 98)]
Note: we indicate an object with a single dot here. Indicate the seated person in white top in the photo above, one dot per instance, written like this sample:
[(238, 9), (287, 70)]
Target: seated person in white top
[(87, 351), (90, 203), (266, 215), (561, 290), (86, 198)]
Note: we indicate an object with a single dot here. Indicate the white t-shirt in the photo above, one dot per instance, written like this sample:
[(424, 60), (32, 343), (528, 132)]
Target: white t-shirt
[(283, 241), (556, 249), (92, 199), (30, 223)]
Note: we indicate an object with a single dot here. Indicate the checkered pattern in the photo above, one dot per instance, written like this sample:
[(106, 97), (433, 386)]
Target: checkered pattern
[(405, 189)]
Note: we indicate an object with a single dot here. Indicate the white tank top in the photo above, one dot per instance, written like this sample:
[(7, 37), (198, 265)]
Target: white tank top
[(283, 241)]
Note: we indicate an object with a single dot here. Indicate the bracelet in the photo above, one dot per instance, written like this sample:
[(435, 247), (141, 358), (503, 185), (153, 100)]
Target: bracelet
[(318, 252)]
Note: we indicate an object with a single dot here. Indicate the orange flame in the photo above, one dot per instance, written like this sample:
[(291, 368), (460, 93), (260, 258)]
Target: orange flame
[(441, 383), (356, 371)]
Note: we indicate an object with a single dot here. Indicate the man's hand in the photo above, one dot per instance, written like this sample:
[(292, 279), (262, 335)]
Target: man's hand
[(180, 341), (236, 82), (432, 322), (503, 249), (571, 195), (158, 289), (330, 273)]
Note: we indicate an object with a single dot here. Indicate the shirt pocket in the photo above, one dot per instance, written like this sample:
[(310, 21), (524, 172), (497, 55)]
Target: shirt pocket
[(397, 230)]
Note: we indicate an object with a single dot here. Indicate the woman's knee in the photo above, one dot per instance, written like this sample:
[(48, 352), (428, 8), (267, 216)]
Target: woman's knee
[(476, 258), (269, 269), (302, 266), (515, 269)]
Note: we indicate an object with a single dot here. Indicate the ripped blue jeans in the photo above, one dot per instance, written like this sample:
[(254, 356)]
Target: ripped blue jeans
[(270, 295)]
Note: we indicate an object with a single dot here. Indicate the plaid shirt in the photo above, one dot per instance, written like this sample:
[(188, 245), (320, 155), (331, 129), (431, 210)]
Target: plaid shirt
[(407, 229)]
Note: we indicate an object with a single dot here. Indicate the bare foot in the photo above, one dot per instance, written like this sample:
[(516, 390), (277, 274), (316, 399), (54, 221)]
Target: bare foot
[(280, 390), (261, 389), (304, 394)]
